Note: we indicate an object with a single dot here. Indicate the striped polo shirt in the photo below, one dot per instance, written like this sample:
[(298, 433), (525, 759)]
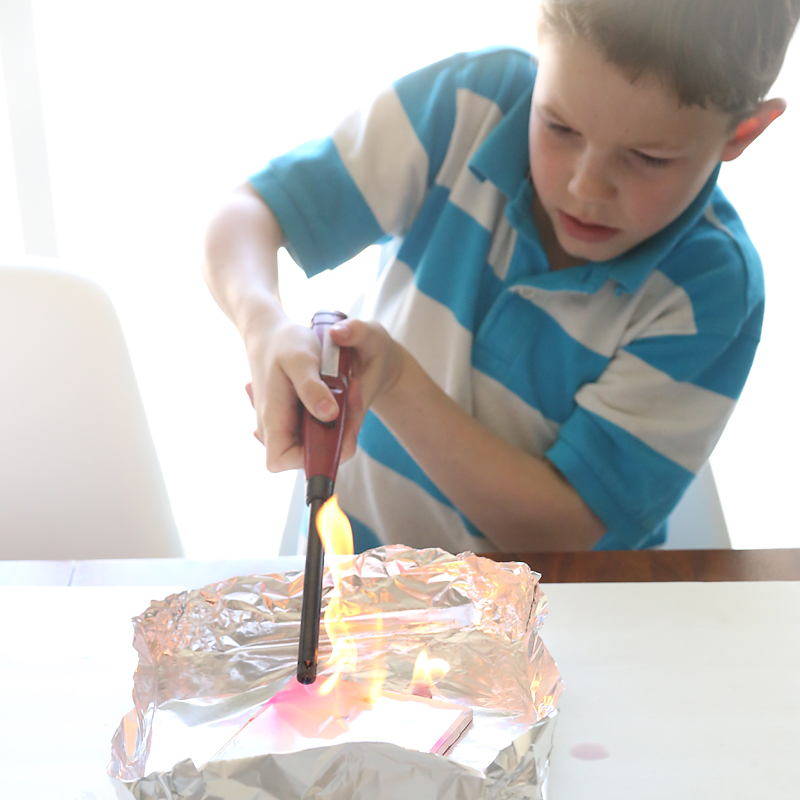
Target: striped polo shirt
[(622, 373)]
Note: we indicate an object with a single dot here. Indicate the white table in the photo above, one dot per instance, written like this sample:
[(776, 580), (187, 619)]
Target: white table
[(692, 689)]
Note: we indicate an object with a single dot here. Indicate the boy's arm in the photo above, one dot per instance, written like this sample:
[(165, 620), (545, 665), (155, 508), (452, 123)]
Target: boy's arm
[(518, 501), (241, 269)]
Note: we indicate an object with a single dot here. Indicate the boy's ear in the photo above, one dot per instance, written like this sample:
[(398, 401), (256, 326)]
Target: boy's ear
[(748, 130)]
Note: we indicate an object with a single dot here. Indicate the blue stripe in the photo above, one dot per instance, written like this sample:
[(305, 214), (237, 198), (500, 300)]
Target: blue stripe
[(467, 293), (424, 226), (711, 362), (630, 486), (500, 74), (378, 443), (429, 95), (429, 99), (524, 348), (709, 267), (322, 213)]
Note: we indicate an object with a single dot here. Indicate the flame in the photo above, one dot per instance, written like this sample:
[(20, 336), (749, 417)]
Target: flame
[(337, 541), (336, 535), (426, 672)]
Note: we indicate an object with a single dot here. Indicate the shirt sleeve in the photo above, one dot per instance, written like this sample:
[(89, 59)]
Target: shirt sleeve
[(642, 430), (367, 181)]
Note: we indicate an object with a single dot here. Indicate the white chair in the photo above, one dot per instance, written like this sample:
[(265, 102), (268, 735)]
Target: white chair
[(79, 475), (293, 541), (697, 523)]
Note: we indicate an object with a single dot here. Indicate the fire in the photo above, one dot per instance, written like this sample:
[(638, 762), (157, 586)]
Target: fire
[(426, 672), (337, 541)]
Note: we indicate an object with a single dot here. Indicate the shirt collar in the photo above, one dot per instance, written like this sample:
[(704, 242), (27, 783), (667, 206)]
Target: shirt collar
[(631, 269), (502, 158)]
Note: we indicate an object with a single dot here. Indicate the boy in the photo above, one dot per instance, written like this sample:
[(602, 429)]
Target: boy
[(567, 306)]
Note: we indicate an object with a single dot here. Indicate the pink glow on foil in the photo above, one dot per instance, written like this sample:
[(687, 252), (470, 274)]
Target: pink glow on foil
[(315, 715)]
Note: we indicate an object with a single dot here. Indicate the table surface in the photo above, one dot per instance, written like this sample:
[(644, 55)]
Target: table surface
[(687, 689)]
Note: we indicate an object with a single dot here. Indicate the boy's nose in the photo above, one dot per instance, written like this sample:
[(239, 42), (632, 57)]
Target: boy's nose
[(591, 179)]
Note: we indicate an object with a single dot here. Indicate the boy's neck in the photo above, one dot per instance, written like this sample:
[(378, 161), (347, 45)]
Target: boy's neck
[(556, 255)]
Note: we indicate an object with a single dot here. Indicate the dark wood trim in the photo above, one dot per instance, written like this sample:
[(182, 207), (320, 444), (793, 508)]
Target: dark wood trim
[(661, 565)]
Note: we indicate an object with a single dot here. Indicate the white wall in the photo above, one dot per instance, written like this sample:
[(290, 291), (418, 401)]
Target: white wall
[(155, 109)]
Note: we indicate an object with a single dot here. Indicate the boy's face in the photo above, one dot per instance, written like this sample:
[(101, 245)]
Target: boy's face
[(612, 162)]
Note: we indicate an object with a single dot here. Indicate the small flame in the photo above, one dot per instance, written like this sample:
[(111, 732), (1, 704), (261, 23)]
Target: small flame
[(335, 533), (426, 672), (337, 541)]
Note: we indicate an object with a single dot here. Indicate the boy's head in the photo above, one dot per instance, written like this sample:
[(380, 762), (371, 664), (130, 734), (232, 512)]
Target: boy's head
[(636, 102)]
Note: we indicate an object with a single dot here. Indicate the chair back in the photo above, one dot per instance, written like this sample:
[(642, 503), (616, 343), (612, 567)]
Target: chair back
[(697, 523), (79, 474)]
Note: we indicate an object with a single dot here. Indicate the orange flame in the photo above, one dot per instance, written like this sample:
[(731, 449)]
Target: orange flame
[(337, 541), (426, 672)]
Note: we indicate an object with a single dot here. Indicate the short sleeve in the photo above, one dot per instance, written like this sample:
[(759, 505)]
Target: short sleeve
[(643, 429), (367, 181)]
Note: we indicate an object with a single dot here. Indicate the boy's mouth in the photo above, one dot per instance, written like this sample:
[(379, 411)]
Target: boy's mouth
[(585, 231)]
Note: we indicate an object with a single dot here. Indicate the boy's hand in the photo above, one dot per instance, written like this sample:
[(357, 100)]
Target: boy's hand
[(376, 366), (284, 364)]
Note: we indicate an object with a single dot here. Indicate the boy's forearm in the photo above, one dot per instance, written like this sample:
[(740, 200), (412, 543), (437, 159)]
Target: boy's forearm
[(240, 262), (518, 501)]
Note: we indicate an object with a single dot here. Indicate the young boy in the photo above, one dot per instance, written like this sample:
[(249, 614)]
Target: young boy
[(567, 307)]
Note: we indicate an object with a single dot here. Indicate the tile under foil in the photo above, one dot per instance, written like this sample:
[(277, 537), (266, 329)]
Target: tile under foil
[(210, 661)]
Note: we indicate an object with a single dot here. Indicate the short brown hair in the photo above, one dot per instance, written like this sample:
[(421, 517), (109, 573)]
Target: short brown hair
[(724, 53)]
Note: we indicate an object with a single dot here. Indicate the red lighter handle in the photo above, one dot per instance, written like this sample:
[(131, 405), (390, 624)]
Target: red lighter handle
[(322, 441)]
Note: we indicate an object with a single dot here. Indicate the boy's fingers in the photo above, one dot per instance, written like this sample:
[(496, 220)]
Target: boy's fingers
[(349, 332), (283, 453), (353, 420), (281, 440), (313, 393)]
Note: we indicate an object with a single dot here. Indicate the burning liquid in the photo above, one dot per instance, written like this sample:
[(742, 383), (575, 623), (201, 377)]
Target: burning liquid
[(426, 671), (343, 618)]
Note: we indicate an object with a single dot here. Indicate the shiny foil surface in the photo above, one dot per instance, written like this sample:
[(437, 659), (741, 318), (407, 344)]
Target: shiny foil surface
[(210, 658)]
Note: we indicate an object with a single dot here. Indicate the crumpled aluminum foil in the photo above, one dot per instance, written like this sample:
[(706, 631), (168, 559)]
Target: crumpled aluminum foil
[(210, 658)]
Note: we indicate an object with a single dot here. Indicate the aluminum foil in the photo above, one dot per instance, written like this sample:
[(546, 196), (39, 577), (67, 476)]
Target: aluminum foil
[(210, 658)]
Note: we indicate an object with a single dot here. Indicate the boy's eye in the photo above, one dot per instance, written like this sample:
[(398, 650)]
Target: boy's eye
[(652, 161), (557, 127)]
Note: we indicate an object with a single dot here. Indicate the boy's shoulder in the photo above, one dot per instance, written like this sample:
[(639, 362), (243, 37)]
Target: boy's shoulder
[(497, 73), (498, 55), (718, 266)]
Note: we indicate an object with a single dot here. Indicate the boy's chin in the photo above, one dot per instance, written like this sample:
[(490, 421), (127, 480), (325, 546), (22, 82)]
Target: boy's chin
[(582, 252)]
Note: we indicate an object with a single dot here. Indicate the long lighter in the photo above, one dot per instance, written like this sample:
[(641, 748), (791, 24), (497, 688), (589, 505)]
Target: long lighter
[(322, 447)]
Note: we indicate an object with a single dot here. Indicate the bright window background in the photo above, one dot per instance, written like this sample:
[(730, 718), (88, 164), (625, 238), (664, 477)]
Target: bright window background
[(154, 110)]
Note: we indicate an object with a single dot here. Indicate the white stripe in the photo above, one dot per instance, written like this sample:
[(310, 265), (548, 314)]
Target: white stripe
[(504, 240), (662, 308), (711, 216), (476, 116), (427, 328), (510, 417), (406, 514), (678, 420), (604, 321), (386, 160)]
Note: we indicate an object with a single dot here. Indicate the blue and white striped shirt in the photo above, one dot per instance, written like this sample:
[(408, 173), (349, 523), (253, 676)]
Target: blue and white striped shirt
[(622, 374)]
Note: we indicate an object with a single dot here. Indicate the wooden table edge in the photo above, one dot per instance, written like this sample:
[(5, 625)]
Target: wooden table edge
[(640, 566)]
